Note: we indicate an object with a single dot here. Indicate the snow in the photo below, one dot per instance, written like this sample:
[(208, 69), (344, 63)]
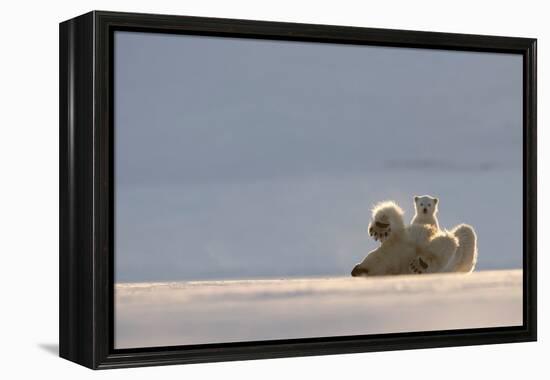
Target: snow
[(180, 313)]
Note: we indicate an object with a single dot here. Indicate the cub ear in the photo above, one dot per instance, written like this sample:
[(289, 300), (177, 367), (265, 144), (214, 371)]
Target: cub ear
[(435, 201), (416, 198)]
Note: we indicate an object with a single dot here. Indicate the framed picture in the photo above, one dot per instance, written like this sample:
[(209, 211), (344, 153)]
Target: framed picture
[(234, 189)]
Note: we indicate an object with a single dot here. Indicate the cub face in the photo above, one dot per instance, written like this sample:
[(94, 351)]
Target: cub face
[(425, 205)]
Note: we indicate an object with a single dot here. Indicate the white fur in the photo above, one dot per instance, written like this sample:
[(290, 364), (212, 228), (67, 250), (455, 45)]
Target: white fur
[(417, 248), (465, 259), (386, 213), (425, 208)]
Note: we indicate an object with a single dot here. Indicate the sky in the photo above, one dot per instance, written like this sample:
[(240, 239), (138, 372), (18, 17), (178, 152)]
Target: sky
[(242, 158)]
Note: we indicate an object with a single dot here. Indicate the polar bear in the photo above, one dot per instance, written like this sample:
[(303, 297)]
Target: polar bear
[(416, 248), (425, 208)]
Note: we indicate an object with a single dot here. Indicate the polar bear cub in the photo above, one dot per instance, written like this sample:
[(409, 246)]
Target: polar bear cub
[(425, 207)]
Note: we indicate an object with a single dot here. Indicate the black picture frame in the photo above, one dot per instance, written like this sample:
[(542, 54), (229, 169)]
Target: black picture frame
[(86, 189)]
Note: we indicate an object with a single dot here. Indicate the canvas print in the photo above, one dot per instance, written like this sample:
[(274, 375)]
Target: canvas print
[(269, 189)]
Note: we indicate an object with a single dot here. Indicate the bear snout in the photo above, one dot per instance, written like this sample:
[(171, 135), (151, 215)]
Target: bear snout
[(358, 271), (425, 210)]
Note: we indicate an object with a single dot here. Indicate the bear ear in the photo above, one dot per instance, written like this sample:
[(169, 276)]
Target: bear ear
[(416, 198), (435, 201)]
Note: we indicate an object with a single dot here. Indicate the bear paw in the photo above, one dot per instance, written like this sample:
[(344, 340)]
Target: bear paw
[(419, 265), (379, 231)]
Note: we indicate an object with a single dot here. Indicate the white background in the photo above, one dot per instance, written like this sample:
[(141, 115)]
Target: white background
[(29, 191)]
